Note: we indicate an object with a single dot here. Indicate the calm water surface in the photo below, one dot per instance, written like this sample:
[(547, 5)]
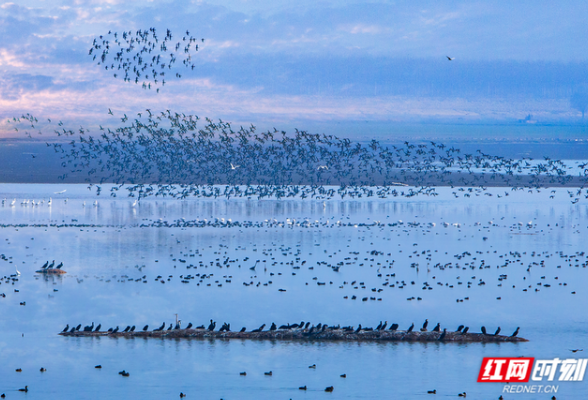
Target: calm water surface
[(112, 262)]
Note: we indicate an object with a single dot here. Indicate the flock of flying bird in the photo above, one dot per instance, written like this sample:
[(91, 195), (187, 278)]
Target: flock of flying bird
[(142, 56), (167, 154)]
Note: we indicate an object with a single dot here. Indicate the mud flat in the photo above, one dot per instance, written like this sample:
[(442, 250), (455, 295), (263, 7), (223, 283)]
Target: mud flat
[(328, 335)]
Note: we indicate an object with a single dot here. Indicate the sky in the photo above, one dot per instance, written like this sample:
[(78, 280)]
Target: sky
[(290, 63)]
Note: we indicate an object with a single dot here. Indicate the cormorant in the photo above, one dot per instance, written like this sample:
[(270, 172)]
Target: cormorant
[(59, 266), (394, 327), (459, 328), (212, 325), (497, 332), (515, 333), (89, 328), (98, 328), (424, 328), (178, 324), (66, 328), (437, 327), (78, 327), (358, 328), (273, 327), (484, 330), (411, 328), (25, 389), (329, 389), (383, 328), (132, 329), (162, 327), (170, 327), (259, 329), (302, 387), (115, 329), (443, 334), (307, 325), (243, 330), (145, 328), (127, 328), (465, 330), (189, 326)]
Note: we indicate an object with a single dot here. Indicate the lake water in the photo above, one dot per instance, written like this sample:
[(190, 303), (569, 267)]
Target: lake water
[(440, 249)]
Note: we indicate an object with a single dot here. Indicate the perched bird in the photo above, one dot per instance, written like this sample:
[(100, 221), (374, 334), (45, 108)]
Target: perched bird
[(424, 328), (443, 334)]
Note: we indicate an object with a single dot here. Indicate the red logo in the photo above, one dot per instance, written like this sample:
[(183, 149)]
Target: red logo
[(505, 369)]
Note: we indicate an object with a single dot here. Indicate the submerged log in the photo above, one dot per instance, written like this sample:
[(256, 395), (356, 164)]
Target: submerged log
[(299, 334), (51, 271)]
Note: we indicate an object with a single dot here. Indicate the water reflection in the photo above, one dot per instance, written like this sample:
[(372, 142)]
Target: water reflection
[(111, 279)]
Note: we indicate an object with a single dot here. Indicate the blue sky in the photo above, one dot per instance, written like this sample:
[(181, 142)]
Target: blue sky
[(284, 62)]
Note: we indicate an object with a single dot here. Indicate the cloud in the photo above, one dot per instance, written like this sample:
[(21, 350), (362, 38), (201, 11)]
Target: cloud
[(12, 87), (325, 59)]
